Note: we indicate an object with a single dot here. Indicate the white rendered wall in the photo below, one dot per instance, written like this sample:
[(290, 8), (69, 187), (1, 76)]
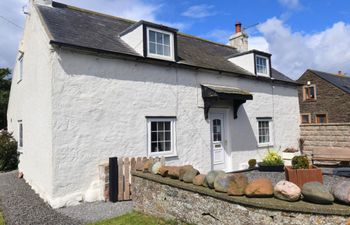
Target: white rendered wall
[(99, 109), (135, 39), (245, 61), (30, 101)]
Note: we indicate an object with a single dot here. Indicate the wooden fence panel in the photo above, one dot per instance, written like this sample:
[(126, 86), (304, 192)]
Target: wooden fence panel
[(124, 167)]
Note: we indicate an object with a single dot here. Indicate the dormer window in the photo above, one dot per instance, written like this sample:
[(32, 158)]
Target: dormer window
[(160, 44), (261, 65)]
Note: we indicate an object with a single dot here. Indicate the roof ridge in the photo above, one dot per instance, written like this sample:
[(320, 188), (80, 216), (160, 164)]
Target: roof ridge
[(58, 4), (332, 74)]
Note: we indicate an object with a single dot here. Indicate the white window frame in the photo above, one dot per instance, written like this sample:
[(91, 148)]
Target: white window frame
[(20, 135), (152, 55), (20, 67), (172, 136), (265, 144), (267, 65)]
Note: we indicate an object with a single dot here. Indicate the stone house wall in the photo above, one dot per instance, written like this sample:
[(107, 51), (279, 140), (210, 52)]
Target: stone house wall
[(336, 135), (330, 100)]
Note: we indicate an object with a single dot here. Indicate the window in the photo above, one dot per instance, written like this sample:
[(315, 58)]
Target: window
[(305, 118), (321, 118), (264, 131), (161, 136), (261, 65), (217, 130), (160, 44), (20, 74), (20, 134), (309, 92)]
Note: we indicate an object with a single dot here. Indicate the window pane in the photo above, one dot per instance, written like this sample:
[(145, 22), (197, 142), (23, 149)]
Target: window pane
[(167, 136), (159, 38), (153, 126), (20, 135), (154, 147), (168, 146), (154, 136), (160, 136), (161, 146), (167, 39), (152, 36), (264, 131), (160, 49), (166, 50), (152, 48), (167, 125)]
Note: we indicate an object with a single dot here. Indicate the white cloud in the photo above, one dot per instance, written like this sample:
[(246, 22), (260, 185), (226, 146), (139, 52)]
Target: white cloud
[(294, 52), (199, 11), (258, 43), (291, 4)]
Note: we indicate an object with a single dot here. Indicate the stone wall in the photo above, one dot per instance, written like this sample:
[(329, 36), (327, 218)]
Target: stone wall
[(171, 199), (336, 135), (329, 100)]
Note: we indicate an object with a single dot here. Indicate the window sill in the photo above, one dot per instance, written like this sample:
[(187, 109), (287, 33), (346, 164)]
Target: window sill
[(265, 145), (166, 155)]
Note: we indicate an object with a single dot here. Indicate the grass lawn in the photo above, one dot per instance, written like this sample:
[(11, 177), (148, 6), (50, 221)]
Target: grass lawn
[(139, 219), (2, 222)]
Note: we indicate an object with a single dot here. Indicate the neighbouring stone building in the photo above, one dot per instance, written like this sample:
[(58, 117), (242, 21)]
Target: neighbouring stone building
[(324, 97)]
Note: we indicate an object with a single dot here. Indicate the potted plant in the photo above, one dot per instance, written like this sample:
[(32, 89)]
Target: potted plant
[(288, 154), (272, 162), (252, 163), (301, 172)]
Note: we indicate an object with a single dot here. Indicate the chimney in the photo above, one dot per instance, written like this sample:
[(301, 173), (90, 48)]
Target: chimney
[(42, 2), (239, 40), (340, 73)]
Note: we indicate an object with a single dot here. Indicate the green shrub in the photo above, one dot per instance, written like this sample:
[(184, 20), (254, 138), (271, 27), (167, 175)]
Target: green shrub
[(8, 152), (300, 162), (252, 163), (272, 158)]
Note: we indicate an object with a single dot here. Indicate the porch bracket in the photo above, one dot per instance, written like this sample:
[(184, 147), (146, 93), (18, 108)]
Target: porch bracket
[(236, 105)]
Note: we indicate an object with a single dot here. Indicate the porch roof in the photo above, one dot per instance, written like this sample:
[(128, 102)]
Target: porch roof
[(215, 93)]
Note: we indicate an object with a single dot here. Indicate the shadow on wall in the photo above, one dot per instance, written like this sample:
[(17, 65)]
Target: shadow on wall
[(243, 137)]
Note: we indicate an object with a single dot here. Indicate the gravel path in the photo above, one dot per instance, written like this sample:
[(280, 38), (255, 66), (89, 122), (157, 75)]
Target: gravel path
[(92, 212), (21, 206)]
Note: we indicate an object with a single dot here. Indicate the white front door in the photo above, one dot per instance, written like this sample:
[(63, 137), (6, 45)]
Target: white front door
[(218, 140)]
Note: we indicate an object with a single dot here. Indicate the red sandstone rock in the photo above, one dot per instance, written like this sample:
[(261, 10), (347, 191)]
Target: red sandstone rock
[(163, 171), (183, 170), (259, 188), (199, 180), (237, 185)]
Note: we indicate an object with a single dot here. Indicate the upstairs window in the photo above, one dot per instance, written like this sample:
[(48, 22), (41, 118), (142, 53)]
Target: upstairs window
[(160, 44), (161, 136), (261, 65), (309, 93), (20, 61)]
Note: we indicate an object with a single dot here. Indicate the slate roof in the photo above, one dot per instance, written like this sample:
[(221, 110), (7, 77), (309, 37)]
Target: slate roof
[(342, 82), (75, 27)]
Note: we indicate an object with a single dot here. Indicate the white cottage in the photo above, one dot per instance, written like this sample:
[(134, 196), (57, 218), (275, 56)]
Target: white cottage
[(89, 86)]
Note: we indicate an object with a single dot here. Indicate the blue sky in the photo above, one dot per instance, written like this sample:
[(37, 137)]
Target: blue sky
[(300, 34)]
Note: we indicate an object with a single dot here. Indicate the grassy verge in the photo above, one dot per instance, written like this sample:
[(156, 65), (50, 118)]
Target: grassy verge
[(139, 219), (2, 222)]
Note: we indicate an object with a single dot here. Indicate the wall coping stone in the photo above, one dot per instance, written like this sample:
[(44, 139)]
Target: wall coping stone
[(324, 124), (263, 203)]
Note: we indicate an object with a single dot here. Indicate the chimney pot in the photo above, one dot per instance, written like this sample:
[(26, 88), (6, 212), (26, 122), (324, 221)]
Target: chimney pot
[(339, 72), (238, 27)]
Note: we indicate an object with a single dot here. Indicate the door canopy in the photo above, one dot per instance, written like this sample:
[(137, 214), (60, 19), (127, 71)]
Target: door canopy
[(212, 94)]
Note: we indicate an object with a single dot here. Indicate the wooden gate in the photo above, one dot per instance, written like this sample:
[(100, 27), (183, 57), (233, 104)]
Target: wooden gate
[(119, 185)]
